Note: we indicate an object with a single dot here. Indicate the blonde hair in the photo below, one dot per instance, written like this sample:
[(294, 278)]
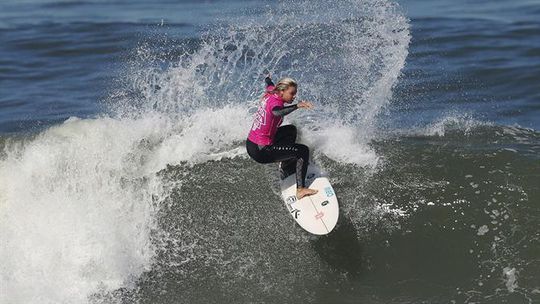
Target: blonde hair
[(282, 85), (285, 83)]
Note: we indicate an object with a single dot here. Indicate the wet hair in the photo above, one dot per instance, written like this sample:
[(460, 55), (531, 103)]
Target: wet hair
[(285, 83), (282, 85)]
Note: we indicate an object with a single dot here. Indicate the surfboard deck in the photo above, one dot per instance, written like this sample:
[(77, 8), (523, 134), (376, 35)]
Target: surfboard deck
[(317, 214)]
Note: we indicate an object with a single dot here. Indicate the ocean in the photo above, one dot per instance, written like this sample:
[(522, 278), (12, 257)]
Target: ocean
[(124, 176)]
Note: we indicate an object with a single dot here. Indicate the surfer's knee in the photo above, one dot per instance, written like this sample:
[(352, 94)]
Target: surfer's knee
[(292, 129), (293, 132)]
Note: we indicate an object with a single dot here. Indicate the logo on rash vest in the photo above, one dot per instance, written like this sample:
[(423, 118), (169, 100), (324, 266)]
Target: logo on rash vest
[(329, 191), (319, 215), (259, 119)]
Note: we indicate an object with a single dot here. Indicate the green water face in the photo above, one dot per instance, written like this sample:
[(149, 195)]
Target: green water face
[(436, 222)]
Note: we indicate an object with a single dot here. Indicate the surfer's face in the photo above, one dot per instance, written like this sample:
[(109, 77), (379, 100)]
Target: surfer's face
[(289, 94)]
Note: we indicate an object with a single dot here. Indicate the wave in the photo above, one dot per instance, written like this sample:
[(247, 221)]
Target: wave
[(82, 202)]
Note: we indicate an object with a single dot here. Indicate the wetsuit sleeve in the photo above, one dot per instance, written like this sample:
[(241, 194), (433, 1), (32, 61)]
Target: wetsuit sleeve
[(282, 111), (268, 81), (269, 84)]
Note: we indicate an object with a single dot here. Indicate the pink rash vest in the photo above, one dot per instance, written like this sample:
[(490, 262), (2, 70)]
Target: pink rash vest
[(265, 123)]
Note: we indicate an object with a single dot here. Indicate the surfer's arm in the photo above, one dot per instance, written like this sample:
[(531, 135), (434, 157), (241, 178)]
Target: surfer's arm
[(282, 111), (268, 81), (269, 84)]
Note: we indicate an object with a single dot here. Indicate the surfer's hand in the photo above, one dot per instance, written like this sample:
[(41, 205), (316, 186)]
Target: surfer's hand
[(305, 105)]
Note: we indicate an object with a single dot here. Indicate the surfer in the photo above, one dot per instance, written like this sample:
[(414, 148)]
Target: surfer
[(268, 142)]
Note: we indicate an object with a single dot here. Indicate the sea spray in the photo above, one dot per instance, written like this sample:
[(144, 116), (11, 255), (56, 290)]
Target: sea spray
[(346, 57)]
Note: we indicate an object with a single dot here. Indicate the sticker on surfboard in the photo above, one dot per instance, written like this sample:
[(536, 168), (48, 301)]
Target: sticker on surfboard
[(317, 214)]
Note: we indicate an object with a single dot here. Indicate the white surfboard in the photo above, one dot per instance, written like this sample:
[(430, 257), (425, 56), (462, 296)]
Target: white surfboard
[(318, 213)]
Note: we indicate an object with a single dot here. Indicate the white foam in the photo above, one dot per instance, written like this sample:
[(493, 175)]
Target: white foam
[(76, 212), (390, 209), (462, 122), (342, 144), (483, 230), (510, 275), (77, 203), (210, 134)]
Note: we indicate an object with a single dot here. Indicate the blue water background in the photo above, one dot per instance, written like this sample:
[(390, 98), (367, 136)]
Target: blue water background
[(478, 58)]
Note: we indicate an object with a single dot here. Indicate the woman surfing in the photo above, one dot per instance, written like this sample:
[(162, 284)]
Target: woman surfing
[(269, 142)]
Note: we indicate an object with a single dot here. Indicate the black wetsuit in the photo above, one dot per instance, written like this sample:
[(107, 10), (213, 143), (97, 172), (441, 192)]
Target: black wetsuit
[(284, 149)]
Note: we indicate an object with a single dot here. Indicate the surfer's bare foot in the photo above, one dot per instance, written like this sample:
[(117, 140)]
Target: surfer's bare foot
[(301, 192)]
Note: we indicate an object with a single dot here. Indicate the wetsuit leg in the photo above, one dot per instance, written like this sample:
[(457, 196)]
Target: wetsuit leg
[(283, 150), (290, 152), (286, 135)]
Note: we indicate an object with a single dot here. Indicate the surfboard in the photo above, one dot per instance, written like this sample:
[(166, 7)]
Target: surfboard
[(317, 214)]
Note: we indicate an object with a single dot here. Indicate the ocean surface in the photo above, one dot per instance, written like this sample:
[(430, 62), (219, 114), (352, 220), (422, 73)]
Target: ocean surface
[(124, 177)]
